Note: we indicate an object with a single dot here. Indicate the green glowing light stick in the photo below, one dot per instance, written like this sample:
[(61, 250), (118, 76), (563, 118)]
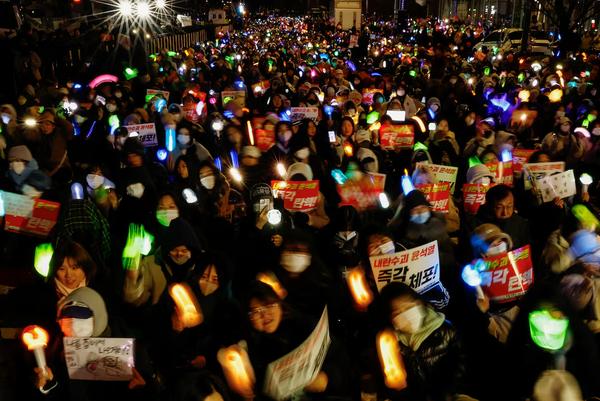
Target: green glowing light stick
[(41, 261), (546, 331)]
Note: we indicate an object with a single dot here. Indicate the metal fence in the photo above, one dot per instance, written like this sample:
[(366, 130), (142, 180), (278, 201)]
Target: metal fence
[(176, 41)]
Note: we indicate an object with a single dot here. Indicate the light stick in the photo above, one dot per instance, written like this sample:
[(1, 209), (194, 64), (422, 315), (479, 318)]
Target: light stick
[(188, 309), (357, 283), (170, 139), (471, 276), (384, 200), (250, 133), (391, 360), (41, 260), (36, 339), (586, 180), (280, 170), (546, 331), (237, 369), (406, 183)]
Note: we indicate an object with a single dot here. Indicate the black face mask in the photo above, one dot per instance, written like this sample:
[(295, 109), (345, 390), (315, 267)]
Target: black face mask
[(346, 250)]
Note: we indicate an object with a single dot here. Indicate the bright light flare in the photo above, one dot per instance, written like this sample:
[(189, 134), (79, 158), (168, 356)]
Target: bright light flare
[(126, 8)]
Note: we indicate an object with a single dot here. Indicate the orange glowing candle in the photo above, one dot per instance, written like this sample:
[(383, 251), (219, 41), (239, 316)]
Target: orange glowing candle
[(36, 339), (188, 309), (391, 360), (361, 292), (250, 133), (271, 280), (348, 150), (237, 369)]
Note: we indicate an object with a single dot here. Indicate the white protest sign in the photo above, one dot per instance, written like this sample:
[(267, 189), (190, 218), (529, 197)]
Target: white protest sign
[(561, 185), (418, 267), (535, 171), (441, 173), (294, 371), (146, 133), (97, 358), (300, 113)]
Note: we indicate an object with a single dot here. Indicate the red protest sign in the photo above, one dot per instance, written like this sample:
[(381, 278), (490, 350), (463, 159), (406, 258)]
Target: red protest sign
[(508, 276), (502, 171), (29, 216), (298, 196), (362, 193), (264, 133), (520, 157), (396, 136), (438, 195), (474, 197)]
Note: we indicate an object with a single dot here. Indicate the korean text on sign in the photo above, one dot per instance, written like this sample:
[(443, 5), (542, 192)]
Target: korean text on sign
[(28, 216), (441, 173), (474, 197), (97, 358), (146, 133), (535, 171), (418, 267), (438, 195), (300, 113), (396, 136), (503, 172), (294, 371), (363, 193), (520, 157), (297, 195), (508, 276)]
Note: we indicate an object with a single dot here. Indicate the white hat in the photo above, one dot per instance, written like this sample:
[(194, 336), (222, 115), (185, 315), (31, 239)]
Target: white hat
[(299, 168)]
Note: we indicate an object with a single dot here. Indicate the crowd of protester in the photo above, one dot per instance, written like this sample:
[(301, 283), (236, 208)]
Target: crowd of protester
[(203, 191)]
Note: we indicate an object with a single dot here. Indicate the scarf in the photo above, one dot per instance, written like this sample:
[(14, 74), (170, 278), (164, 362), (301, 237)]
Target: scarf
[(431, 322), (63, 291)]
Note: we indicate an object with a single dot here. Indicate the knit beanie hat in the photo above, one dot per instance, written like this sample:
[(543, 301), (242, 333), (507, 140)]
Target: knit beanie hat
[(19, 152), (478, 171), (486, 234)]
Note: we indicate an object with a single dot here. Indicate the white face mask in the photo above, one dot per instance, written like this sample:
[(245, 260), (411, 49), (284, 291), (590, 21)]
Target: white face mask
[(208, 182), (302, 153), (165, 217), (136, 190), (409, 321), (18, 167), (5, 118), (183, 139), (387, 248), (180, 260), (94, 180), (111, 107), (483, 181), (400, 92), (295, 262), (30, 191), (73, 327), (499, 249)]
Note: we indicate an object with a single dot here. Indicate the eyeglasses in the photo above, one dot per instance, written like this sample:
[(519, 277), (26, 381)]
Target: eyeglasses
[(257, 313)]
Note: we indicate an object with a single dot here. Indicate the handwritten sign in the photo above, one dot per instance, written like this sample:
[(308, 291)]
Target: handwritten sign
[(300, 113), (363, 193), (418, 267), (560, 185), (438, 195), (535, 171), (441, 173), (97, 358), (520, 157), (146, 133), (396, 136), (291, 373), (150, 93), (474, 197), (29, 216), (237, 96), (507, 276), (298, 196), (503, 172)]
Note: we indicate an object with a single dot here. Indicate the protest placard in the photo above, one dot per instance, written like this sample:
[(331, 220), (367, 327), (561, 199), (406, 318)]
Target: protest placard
[(441, 173), (300, 113), (520, 157), (418, 267), (237, 96), (150, 93), (396, 136), (367, 95), (363, 193), (28, 216), (294, 371), (438, 195), (146, 133), (502, 172), (508, 275), (559, 185), (298, 196), (474, 197), (535, 171), (98, 358), (264, 133)]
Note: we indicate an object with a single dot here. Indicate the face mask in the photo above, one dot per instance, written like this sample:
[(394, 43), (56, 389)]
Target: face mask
[(420, 218), (400, 92), (484, 181), (346, 235), (30, 191), (286, 136), (302, 153), (5, 118), (409, 321), (136, 190), (94, 180), (183, 139), (499, 249), (165, 217), (560, 113), (181, 260), (596, 131), (111, 108), (208, 182), (73, 327), (17, 167), (79, 119), (206, 287), (295, 262), (387, 248)]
